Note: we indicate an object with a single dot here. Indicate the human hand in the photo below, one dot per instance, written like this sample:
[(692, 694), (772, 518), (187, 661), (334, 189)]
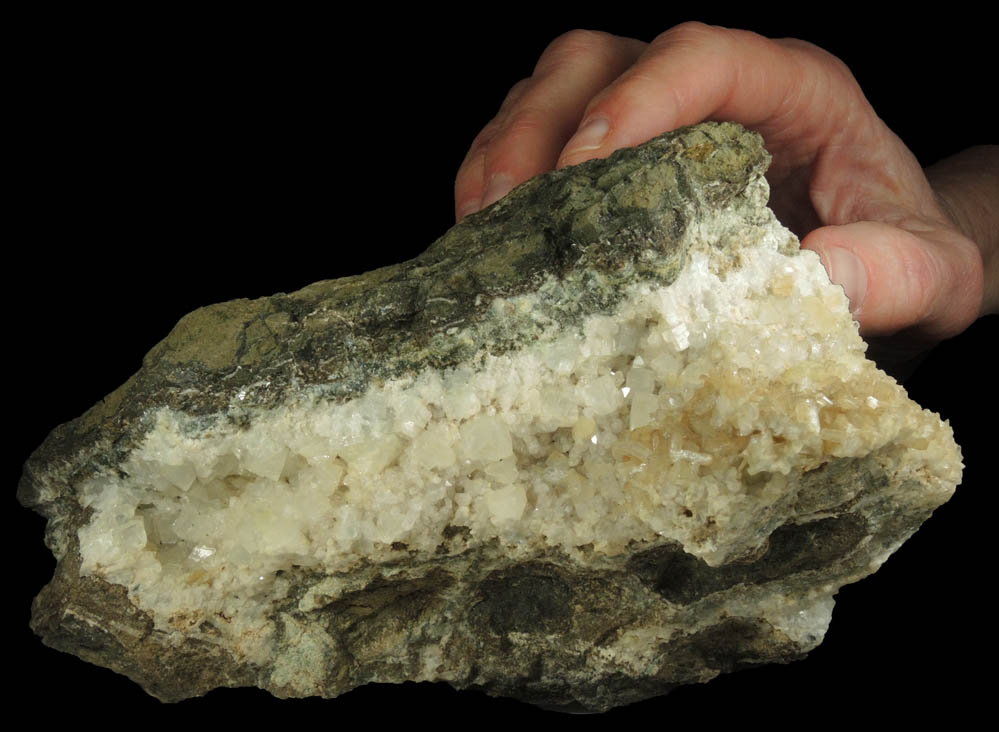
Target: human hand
[(840, 178)]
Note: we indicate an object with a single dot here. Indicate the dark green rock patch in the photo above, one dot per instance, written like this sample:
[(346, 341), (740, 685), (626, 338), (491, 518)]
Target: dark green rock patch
[(532, 601)]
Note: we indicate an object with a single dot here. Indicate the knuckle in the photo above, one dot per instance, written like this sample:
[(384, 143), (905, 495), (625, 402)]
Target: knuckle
[(712, 39), (633, 93), (505, 133), (576, 40), (516, 92), (817, 55), (525, 120), (486, 136), (484, 139), (691, 33), (570, 46)]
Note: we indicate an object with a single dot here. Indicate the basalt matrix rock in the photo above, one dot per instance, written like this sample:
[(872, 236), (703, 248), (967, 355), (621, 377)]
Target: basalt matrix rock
[(613, 434)]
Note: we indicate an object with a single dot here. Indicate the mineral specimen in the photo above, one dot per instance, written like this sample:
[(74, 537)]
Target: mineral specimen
[(613, 434)]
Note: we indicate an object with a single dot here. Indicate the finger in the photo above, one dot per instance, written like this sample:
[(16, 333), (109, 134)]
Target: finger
[(695, 72), (472, 179), (897, 280), (534, 123), (468, 186)]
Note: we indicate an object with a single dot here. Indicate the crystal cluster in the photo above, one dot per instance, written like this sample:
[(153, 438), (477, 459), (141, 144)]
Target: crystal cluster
[(705, 412)]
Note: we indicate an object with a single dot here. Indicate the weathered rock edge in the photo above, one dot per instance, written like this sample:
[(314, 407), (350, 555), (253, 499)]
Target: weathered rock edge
[(526, 629)]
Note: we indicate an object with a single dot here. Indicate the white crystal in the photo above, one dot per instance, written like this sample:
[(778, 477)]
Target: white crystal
[(685, 416), (485, 438), (506, 504)]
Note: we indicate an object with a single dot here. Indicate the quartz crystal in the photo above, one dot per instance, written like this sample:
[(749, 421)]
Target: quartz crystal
[(613, 434)]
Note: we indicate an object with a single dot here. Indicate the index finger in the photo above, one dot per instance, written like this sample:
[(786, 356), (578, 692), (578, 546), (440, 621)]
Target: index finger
[(539, 115), (695, 72)]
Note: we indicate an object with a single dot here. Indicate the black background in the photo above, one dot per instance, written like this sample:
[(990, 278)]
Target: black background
[(174, 161)]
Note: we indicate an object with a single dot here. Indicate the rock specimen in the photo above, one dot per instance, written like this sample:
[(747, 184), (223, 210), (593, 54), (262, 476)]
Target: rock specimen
[(613, 434)]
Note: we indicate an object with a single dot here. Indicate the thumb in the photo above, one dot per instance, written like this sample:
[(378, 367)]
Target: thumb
[(899, 280)]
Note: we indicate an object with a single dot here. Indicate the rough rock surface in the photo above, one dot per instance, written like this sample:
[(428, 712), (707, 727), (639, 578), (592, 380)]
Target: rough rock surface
[(614, 434)]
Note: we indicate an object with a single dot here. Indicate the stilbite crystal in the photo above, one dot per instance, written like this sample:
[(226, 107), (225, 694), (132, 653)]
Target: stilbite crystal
[(614, 434)]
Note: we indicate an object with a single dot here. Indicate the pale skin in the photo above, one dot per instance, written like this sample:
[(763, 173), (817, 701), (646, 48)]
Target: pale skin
[(917, 251)]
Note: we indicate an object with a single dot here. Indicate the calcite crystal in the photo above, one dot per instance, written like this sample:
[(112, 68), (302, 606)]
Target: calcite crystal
[(613, 434)]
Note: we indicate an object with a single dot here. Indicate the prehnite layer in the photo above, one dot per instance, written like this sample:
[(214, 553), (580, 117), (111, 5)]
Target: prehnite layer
[(687, 415)]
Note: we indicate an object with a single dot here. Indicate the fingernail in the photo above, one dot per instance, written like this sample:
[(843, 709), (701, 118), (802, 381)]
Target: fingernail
[(469, 207), (846, 269), (589, 137), (499, 185)]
